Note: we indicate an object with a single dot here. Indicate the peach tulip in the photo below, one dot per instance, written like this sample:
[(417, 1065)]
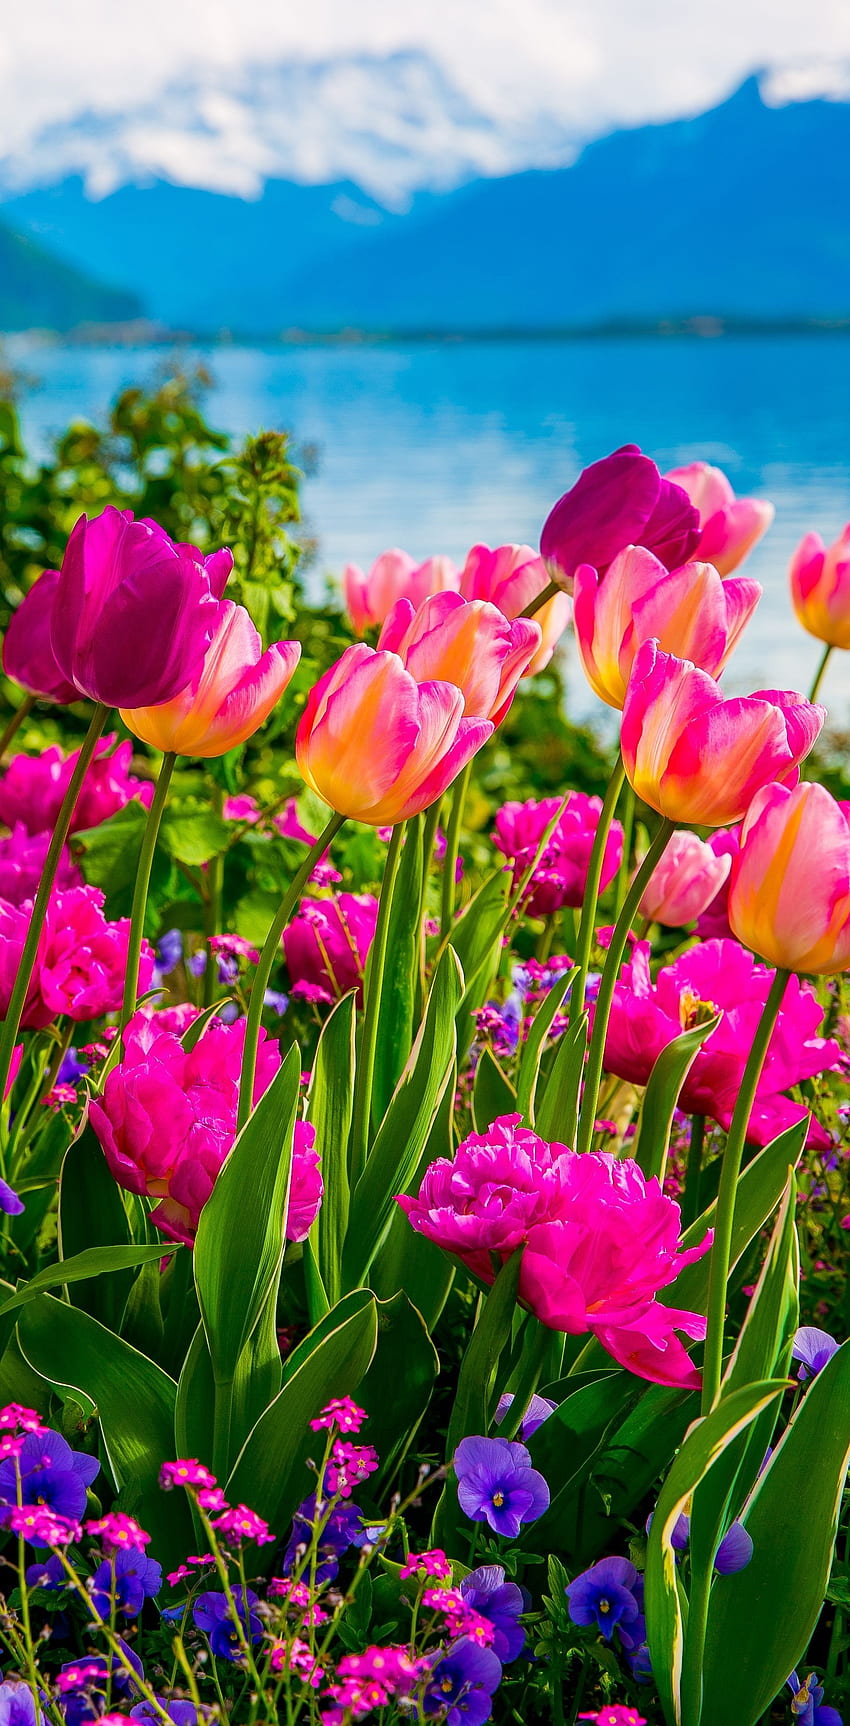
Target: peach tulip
[(466, 642), (789, 897), (690, 611), (511, 577), (394, 575), (687, 877), (235, 691), (730, 526), (820, 587), (699, 759), (376, 745)]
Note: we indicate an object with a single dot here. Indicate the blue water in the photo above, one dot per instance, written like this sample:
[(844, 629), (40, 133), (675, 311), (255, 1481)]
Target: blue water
[(434, 446)]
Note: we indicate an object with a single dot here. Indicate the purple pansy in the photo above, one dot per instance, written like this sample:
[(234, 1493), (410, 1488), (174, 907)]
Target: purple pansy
[(17, 1707), (812, 1348), (137, 1579), (463, 1683), (538, 1410), (503, 1603), (51, 1473), (609, 1596), (211, 1613), (182, 1713), (84, 1702), (496, 1484), (342, 1529), (9, 1200)]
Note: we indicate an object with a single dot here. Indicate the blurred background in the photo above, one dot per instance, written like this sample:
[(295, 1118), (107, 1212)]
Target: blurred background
[(458, 249)]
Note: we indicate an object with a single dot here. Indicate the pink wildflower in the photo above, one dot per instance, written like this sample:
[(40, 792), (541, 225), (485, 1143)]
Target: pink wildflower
[(186, 1472), (342, 1413)]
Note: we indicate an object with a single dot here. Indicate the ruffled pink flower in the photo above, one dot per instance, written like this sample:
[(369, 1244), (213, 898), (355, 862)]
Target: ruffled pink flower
[(560, 877), (327, 945), (687, 877), (28, 657), (729, 526), (600, 1240), (22, 857), (467, 642), (510, 577), (719, 976), (81, 959), (167, 1119), (394, 575), (33, 786)]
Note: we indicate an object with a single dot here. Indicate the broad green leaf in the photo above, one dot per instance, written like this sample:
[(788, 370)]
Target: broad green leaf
[(564, 1448), (358, 1301), (639, 1447), (408, 1262), (94, 1262), (472, 1400), (404, 1130), (401, 970), (194, 1409), (662, 1094), (535, 1043), (761, 1619), (492, 1092), (111, 853), (92, 1214), (557, 1108), (397, 1388), (477, 940), (330, 1103), (194, 836)]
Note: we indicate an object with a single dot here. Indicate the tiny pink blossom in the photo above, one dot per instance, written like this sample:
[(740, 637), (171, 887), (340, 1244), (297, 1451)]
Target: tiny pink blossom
[(341, 1413), (186, 1472), (117, 1530), (243, 1524), (43, 1526), (78, 1676), (349, 1465), (433, 1562), (212, 1498), (26, 1419)]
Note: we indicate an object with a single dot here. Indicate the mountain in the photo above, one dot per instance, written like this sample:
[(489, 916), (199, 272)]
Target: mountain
[(41, 291)]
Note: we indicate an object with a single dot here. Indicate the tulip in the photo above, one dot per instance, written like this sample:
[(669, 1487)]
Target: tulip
[(688, 611), (619, 501), (730, 525), (687, 879), (133, 614), (789, 897), (465, 642), (820, 587), (33, 787), (699, 759), (28, 657), (394, 575), (713, 922), (511, 577), (234, 693), (376, 745), (327, 945)]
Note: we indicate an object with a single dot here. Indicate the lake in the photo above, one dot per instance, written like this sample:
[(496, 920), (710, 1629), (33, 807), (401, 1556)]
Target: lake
[(432, 446)]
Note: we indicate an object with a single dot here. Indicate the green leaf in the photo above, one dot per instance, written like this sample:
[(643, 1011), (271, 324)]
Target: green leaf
[(408, 1261), (761, 1619), (405, 1128), (92, 1214), (564, 1448), (194, 1411), (535, 1043), (639, 1446), (401, 968), (397, 1388), (492, 1092), (94, 1262), (662, 1094), (557, 1110), (330, 1103), (194, 836), (471, 1410), (358, 1301), (110, 855), (477, 940)]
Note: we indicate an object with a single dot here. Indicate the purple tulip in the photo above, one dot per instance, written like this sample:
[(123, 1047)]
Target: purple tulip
[(28, 657), (496, 1484), (619, 501)]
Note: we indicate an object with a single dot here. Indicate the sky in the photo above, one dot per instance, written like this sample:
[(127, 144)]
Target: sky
[(594, 62)]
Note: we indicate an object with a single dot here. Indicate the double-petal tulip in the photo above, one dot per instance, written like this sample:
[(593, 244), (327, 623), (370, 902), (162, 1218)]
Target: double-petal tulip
[(510, 577), (688, 876), (699, 759), (789, 896), (820, 587), (465, 642), (730, 526), (619, 501), (376, 745), (28, 657), (227, 702), (689, 611), (394, 575), (133, 610)]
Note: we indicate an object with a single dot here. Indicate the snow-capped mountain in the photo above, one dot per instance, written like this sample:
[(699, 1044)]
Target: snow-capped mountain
[(392, 124)]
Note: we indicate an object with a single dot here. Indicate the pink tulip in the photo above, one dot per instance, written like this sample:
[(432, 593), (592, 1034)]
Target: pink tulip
[(600, 1240), (730, 526), (697, 758), (167, 1119), (327, 945), (33, 787), (619, 501), (82, 959), (394, 575), (28, 657), (511, 577), (376, 745), (789, 896), (228, 700), (560, 877), (688, 611), (465, 642), (820, 587), (687, 878), (133, 611)]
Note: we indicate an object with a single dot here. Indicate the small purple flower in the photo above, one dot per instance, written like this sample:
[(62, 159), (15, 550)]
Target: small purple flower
[(211, 1613), (538, 1410), (813, 1348), (71, 1068), (83, 1701), (17, 1707), (9, 1200), (503, 1603), (342, 1529), (276, 999), (496, 1484), (806, 1707), (607, 1595), (182, 1713), (169, 951), (48, 1573), (137, 1579), (197, 963), (51, 1474), (734, 1552), (463, 1683)]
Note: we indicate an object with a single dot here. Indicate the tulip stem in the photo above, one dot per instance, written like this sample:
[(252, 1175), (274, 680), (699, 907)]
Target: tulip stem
[(628, 819), (15, 1009), (587, 923), (140, 891), (690, 1207), (373, 987), (819, 674), (21, 713), (540, 599), (459, 794), (266, 961), (607, 984), (724, 1216)]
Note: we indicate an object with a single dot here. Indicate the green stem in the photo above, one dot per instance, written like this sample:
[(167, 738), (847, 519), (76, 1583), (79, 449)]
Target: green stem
[(819, 674), (20, 714), (607, 984), (266, 962), (690, 1206), (213, 909), (140, 891), (11, 1023), (628, 815), (541, 599), (721, 1250), (459, 793), (591, 892), (365, 1073), (531, 1368)]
